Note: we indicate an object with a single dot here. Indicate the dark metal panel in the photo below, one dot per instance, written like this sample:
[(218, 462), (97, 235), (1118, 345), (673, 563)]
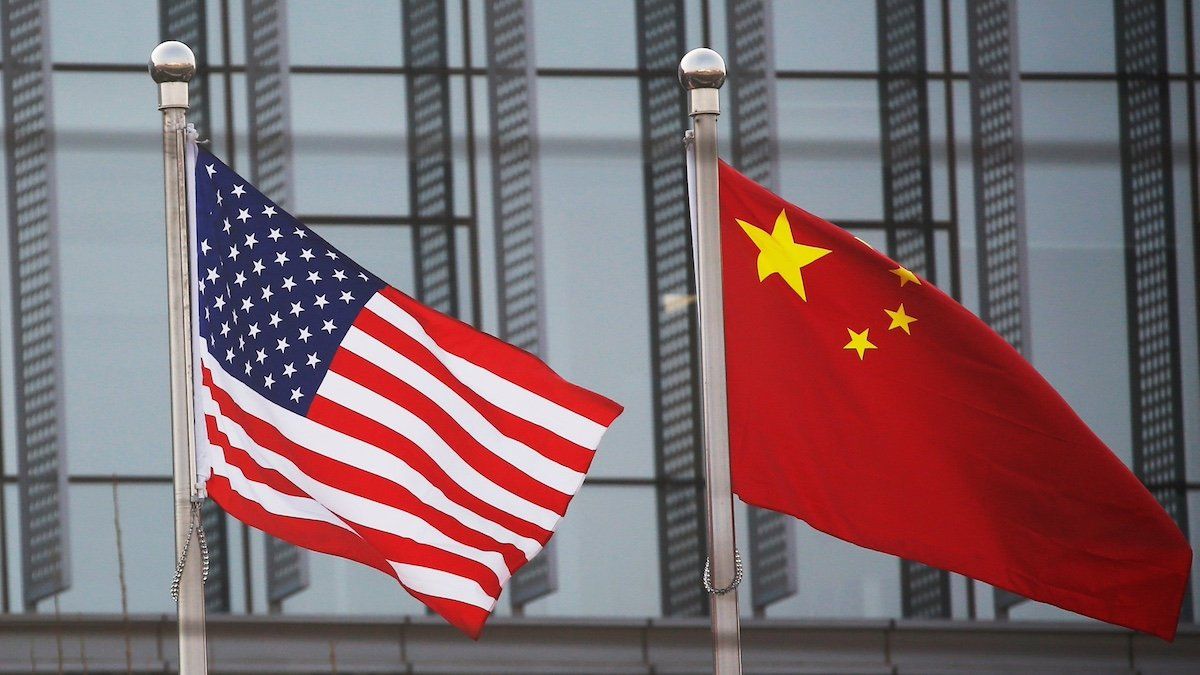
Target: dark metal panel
[(270, 144), (674, 368), (908, 209), (216, 532), (430, 154), (999, 173), (773, 565), (751, 85), (755, 152), (904, 129), (1152, 299), (999, 185), (37, 333), (186, 21), (512, 124)]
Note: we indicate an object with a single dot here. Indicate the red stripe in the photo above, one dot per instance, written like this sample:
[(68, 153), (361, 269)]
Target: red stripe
[(347, 421), (513, 364), (338, 475), (542, 440), (486, 462), (327, 538), (370, 547), (237, 457), (406, 551), (311, 534), (467, 618)]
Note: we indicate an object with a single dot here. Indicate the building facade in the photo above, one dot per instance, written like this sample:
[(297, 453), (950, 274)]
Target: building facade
[(518, 164)]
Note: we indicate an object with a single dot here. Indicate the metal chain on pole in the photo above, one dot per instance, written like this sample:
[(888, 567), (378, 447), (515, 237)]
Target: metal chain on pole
[(738, 573), (196, 524)]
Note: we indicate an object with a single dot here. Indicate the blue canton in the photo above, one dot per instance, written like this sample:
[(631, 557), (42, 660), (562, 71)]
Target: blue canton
[(275, 298)]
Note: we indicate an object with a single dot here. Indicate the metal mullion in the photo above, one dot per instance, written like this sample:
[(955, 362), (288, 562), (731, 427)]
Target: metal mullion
[(553, 72)]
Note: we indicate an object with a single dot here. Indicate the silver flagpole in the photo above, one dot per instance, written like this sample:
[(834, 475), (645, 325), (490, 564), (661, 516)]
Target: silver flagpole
[(702, 72), (172, 65)]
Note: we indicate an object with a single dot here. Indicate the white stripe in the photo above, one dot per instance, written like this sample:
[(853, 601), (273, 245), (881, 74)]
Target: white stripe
[(358, 398), (423, 580), (356, 453), (442, 584), (352, 507), (349, 450), (537, 466), (272, 500), (496, 390)]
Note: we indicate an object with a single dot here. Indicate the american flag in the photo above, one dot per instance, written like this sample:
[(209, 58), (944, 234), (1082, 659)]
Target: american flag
[(338, 414)]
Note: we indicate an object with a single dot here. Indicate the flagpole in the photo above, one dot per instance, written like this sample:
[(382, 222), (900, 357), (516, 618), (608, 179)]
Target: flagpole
[(702, 72), (172, 65)]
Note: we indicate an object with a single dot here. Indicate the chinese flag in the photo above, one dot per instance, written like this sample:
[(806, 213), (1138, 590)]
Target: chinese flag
[(874, 407)]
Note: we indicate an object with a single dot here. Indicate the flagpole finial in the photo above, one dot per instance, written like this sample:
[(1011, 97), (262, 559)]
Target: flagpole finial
[(702, 69), (702, 72), (172, 65)]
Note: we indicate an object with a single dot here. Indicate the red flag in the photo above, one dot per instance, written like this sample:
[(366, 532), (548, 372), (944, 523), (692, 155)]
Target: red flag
[(874, 407)]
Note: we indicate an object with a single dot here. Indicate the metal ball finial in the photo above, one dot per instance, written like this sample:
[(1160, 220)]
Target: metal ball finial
[(172, 61), (702, 69)]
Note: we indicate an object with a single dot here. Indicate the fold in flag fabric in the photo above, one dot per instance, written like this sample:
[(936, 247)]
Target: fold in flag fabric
[(874, 407), (340, 415)]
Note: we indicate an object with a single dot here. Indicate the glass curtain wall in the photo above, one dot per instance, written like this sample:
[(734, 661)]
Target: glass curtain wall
[(347, 96)]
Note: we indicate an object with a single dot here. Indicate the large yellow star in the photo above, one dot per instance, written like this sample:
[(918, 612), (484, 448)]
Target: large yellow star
[(900, 319), (780, 254), (859, 342)]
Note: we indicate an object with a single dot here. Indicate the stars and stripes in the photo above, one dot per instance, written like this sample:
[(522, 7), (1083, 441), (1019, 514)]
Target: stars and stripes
[(343, 416)]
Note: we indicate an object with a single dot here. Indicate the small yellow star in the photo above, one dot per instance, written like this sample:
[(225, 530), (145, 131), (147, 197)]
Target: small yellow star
[(900, 319), (780, 254), (859, 342), (906, 276)]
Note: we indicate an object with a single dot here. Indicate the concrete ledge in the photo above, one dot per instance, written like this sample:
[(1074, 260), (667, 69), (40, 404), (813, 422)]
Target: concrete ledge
[(306, 644)]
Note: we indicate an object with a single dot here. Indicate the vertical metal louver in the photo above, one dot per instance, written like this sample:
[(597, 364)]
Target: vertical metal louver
[(430, 155), (673, 333), (270, 144), (516, 208), (37, 322), (1148, 202)]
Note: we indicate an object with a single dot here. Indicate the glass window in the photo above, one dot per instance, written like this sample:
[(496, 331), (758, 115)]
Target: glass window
[(595, 257), (1077, 250), (607, 554), (599, 39), (120, 31), (815, 35), (1066, 36), (113, 274), (350, 153), (829, 147), (147, 524), (366, 33)]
